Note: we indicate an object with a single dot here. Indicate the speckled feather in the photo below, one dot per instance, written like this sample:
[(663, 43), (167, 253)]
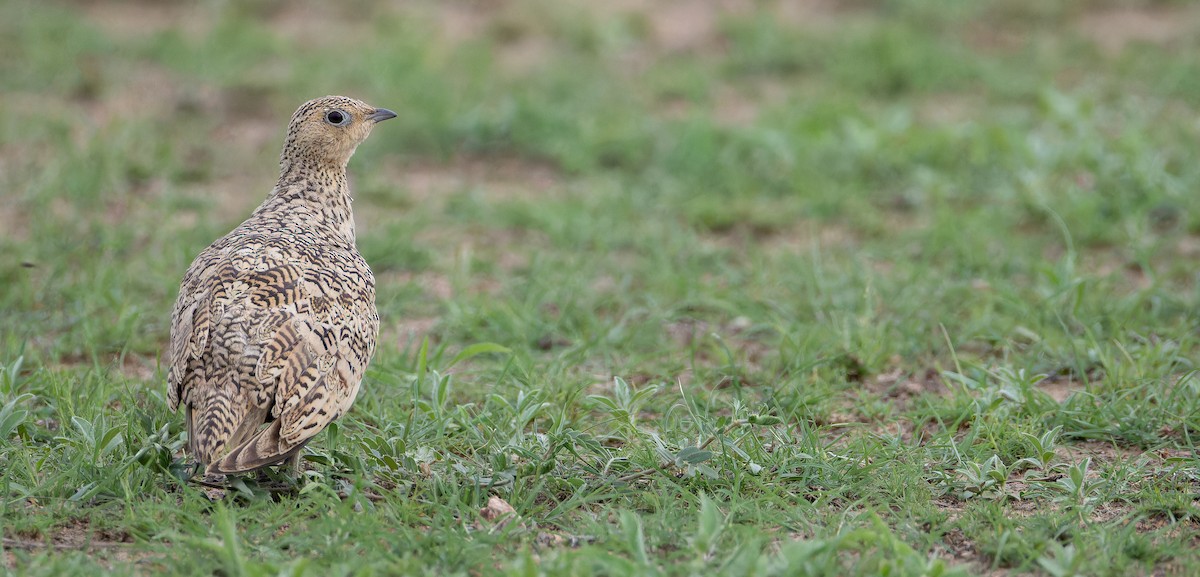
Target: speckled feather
[(275, 322)]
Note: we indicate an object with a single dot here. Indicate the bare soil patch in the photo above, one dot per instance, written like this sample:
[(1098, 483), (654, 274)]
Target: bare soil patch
[(1115, 28), (732, 105), (131, 366), (741, 105), (407, 333), (495, 177), (307, 21), (13, 221), (314, 23), (142, 18), (435, 285), (526, 38), (956, 547), (750, 351), (1099, 452), (796, 238), (1060, 388), (685, 25), (141, 92), (691, 24), (522, 36), (77, 535), (988, 37), (949, 108), (904, 386), (1116, 265), (235, 163), (225, 165)]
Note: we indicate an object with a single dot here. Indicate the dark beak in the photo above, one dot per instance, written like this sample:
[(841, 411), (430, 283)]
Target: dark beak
[(381, 114)]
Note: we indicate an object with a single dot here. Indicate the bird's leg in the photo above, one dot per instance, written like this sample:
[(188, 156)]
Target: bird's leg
[(293, 465), (211, 479), (194, 469)]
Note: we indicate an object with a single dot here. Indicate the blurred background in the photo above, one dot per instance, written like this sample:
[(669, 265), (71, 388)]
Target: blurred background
[(562, 173)]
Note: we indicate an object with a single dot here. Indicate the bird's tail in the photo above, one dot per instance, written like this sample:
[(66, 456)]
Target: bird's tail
[(217, 424), (262, 449)]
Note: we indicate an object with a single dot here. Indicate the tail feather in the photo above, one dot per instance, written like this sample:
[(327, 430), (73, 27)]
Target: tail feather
[(218, 424), (191, 425), (263, 449)]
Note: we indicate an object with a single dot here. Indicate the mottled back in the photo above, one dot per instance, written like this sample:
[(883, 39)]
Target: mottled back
[(275, 322)]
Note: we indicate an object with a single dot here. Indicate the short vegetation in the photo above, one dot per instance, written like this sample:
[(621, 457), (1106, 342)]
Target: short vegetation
[(902, 287)]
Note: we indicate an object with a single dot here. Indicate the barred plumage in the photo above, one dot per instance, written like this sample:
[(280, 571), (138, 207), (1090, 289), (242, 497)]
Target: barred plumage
[(275, 322)]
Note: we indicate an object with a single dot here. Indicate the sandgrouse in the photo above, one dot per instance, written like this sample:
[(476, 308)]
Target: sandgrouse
[(276, 321)]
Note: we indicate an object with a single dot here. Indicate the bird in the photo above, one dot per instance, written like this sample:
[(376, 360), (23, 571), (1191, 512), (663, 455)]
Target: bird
[(275, 322)]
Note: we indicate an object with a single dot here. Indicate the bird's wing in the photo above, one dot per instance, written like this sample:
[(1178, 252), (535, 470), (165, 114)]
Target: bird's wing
[(317, 327), (220, 320), (190, 323)]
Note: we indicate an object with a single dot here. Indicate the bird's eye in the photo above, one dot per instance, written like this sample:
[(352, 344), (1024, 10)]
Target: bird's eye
[(337, 117)]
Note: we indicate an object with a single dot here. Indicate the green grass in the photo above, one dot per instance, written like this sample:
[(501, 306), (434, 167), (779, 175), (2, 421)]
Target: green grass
[(895, 289)]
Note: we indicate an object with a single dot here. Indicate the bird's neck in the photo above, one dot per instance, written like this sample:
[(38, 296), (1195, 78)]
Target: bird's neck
[(315, 194)]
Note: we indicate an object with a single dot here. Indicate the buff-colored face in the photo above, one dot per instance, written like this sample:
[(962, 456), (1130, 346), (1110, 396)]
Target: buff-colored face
[(330, 128)]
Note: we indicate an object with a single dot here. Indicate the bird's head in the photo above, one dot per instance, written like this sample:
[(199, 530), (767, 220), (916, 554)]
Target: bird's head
[(326, 130)]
